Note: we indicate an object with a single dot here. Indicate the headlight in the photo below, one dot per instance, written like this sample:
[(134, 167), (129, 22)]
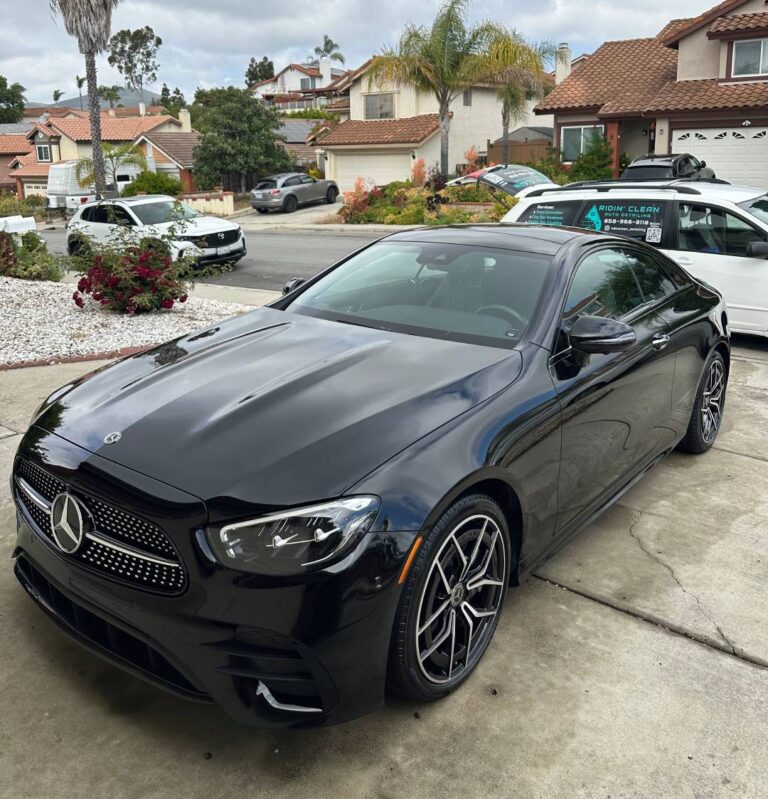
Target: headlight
[(294, 541)]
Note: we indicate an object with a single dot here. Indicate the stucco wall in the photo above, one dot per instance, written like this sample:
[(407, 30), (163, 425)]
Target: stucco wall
[(662, 135), (633, 143)]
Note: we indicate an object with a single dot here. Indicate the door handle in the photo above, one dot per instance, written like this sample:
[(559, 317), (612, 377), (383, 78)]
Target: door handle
[(684, 261), (659, 341)]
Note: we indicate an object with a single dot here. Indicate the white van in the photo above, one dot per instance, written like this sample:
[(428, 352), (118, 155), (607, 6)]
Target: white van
[(716, 231), (65, 192)]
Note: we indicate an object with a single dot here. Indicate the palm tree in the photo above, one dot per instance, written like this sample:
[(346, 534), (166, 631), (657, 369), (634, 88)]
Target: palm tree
[(90, 22), (116, 157), (80, 83), (110, 94), (57, 95), (328, 49), (449, 57)]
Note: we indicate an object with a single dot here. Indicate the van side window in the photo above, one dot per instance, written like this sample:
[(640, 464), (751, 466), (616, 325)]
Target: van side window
[(709, 229), (551, 213), (639, 219)]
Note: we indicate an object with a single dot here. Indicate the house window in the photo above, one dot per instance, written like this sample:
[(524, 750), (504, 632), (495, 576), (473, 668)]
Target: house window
[(308, 83), (575, 140), (750, 58), (43, 152), (380, 106), (467, 97)]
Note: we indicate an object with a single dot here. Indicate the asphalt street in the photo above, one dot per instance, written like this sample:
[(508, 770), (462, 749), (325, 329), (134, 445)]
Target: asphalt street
[(274, 256)]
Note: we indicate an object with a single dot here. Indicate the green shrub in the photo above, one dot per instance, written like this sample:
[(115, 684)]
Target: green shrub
[(152, 183), (469, 193), (10, 205), (595, 163), (30, 260)]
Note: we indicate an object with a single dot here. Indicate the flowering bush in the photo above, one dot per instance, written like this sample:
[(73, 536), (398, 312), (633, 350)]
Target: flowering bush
[(473, 161), (131, 279), (419, 172), (357, 201), (29, 260)]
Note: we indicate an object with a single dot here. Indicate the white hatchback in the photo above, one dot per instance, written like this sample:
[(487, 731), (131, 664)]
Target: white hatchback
[(716, 231), (207, 239)]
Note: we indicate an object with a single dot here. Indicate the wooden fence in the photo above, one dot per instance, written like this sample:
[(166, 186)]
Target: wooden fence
[(520, 152)]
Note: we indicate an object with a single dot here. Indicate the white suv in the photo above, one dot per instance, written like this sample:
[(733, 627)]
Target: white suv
[(716, 231), (208, 239)]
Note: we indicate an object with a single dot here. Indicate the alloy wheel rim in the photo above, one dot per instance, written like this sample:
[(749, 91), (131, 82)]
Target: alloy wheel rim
[(712, 402), (460, 599)]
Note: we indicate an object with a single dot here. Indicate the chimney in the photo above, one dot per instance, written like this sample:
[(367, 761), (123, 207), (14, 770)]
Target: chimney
[(186, 120), (563, 63), (111, 112), (326, 76), (142, 110)]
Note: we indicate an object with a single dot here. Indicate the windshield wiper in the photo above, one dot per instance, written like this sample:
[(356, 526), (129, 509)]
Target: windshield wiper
[(363, 324)]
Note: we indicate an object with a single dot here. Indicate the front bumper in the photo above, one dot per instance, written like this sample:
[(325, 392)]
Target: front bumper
[(271, 652)]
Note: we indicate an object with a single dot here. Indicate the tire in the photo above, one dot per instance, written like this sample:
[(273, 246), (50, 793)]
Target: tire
[(290, 204), (331, 195), (78, 246), (263, 210), (708, 408), (434, 615)]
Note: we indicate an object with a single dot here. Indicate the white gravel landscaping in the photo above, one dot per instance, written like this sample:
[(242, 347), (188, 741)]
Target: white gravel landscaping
[(39, 321)]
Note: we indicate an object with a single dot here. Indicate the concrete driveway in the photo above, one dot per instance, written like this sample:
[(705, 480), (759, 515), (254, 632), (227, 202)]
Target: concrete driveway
[(631, 665)]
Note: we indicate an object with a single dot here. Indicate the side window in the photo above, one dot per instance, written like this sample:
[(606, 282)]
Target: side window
[(604, 285), (307, 179), (294, 181), (99, 214), (87, 214), (119, 216), (639, 219), (709, 229), (549, 213), (654, 282)]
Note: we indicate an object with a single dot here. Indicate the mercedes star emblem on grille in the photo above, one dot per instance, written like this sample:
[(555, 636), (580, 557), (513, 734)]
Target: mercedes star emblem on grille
[(113, 438), (67, 523)]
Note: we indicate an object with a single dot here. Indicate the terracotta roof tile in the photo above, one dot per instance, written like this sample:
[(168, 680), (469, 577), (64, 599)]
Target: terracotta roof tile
[(670, 37), (620, 77), (342, 102), (126, 129), (303, 153), (709, 95), (673, 26), (14, 144), (29, 167), (409, 130), (179, 146), (737, 23)]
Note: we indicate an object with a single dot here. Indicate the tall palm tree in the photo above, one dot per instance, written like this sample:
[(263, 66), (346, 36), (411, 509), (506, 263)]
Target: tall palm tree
[(90, 22), (328, 49), (450, 57), (116, 157), (111, 94), (57, 95), (80, 83)]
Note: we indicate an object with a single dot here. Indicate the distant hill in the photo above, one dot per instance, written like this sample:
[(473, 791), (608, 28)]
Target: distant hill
[(128, 97)]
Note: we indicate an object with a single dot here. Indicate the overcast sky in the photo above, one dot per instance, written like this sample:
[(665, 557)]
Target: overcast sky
[(209, 43)]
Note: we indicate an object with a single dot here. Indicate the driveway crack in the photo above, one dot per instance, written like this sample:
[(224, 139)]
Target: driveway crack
[(704, 610)]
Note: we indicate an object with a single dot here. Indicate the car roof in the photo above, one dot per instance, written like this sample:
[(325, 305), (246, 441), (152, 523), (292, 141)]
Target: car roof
[(658, 158), (138, 200), (690, 190)]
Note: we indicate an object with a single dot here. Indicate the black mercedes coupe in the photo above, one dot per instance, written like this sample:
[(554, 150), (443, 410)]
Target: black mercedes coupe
[(304, 507)]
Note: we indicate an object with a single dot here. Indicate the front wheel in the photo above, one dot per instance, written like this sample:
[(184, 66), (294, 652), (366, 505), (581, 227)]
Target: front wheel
[(451, 600), (707, 414), (331, 195)]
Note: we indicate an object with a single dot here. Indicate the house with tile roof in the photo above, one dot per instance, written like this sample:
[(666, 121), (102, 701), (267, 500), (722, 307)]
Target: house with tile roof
[(69, 138), (12, 146), (700, 86), (171, 154)]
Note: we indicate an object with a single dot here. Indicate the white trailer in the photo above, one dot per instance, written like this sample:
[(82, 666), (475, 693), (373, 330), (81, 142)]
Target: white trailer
[(64, 191)]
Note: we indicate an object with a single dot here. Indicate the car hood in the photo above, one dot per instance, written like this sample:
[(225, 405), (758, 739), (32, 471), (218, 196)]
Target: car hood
[(199, 226), (274, 408)]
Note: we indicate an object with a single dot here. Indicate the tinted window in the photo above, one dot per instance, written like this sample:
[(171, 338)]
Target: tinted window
[(307, 179), (638, 219), (86, 214), (268, 183), (294, 181), (163, 211), (647, 172), (480, 295), (549, 213), (99, 214), (708, 229), (654, 282)]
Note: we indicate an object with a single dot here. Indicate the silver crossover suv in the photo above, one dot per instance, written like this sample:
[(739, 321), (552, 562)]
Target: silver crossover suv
[(289, 190)]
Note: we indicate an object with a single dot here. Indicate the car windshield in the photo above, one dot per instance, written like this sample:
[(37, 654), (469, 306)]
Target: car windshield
[(155, 213), (758, 207), (647, 172), (466, 293)]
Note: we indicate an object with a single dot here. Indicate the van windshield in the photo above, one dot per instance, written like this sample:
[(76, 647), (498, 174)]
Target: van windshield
[(758, 207)]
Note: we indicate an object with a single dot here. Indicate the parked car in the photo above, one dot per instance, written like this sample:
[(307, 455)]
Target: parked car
[(716, 231), (295, 508), (660, 167), (287, 191), (208, 239)]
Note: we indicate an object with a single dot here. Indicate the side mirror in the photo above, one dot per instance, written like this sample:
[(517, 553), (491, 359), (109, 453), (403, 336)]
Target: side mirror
[(293, 284), (596, 334), (757, 249), (702, 164)]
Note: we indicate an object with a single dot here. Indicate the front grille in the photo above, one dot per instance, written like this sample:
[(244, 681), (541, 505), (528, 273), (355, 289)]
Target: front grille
[(101, 635), (215, 239), (123, 546)]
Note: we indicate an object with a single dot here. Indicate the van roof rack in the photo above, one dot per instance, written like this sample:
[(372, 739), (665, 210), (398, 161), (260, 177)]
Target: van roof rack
[(613, 185)]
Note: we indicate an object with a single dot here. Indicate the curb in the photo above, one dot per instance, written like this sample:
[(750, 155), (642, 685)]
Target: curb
[(95, 356)]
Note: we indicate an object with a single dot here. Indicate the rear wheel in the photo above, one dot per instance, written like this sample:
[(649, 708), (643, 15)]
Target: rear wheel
[(290, 204), (331, 195), (707, 414), (451, 600)]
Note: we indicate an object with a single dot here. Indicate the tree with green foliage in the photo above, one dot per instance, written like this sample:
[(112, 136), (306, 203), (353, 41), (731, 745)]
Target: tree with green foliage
[(328, 49), (259, 70), (172, 101), (153, 183), (596, 162), (90, 22), (450, 57), (310, 113), (134, 55), (239, 138), (57, 95), (80, 83), (117, 157), (110, 94), (11, 101)]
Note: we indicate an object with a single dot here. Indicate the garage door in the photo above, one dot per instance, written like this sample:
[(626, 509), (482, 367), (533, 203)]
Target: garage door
[(381, 168), (738, 155)]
